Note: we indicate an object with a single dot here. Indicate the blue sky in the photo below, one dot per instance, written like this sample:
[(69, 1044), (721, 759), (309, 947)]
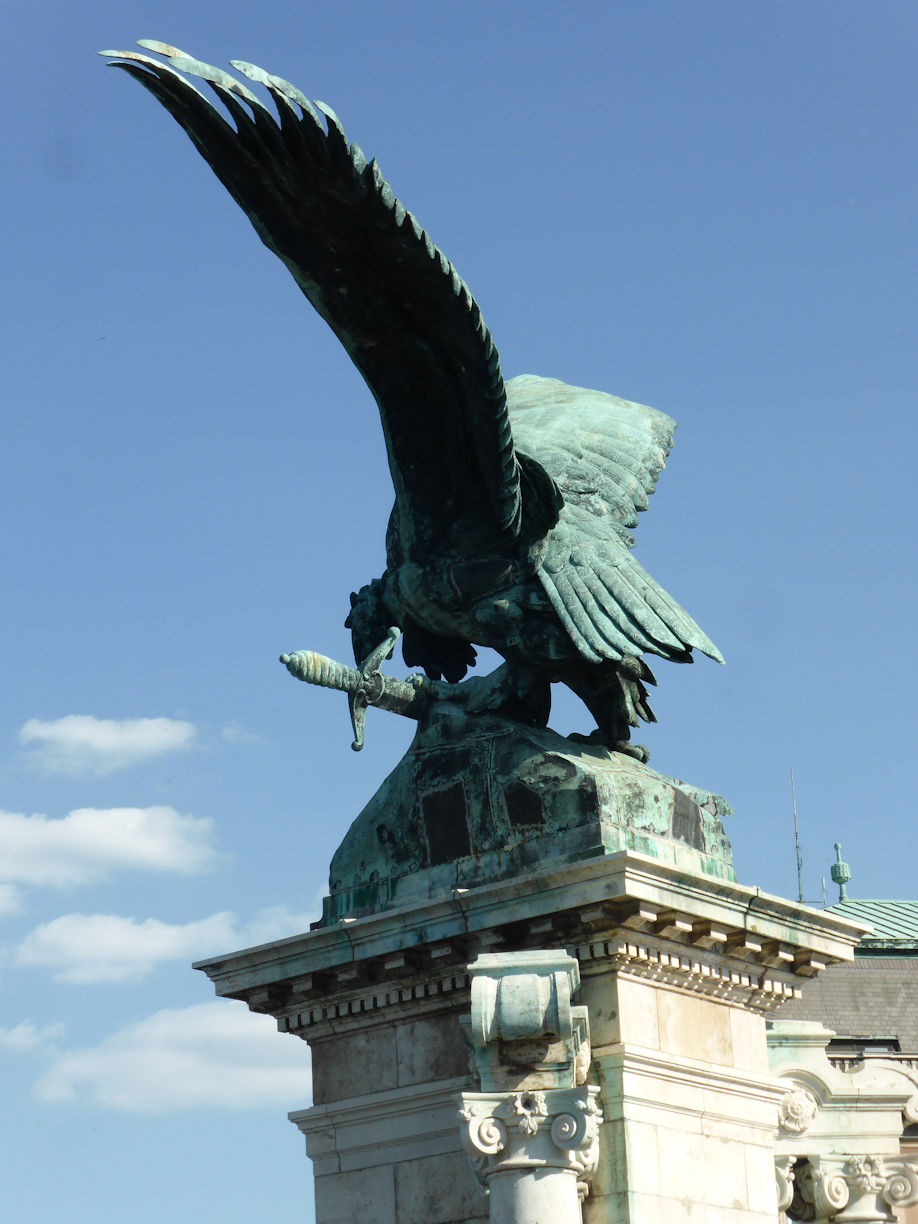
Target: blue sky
[(707, 207)]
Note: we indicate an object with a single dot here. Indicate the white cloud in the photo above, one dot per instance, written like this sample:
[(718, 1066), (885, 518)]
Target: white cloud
[(81, 744), (28, 1038), (90, 843), (111, 948), (10, 899), (212, 1056), (234, 734), (276, 922)]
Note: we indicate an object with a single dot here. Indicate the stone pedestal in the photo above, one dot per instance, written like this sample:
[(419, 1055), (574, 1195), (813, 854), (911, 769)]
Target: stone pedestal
[(678, 971), (480, 799)]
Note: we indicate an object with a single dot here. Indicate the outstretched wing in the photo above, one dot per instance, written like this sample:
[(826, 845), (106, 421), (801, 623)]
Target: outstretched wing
[(396, 303), (604, 454)]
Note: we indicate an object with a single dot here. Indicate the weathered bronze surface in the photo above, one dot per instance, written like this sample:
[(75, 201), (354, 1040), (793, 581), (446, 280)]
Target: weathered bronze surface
[(514, 505), (368, 686), (514, 502), (479, 798)]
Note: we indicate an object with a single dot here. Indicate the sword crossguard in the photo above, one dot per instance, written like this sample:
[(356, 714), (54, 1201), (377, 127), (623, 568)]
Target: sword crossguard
[(370, 684), (364, 686)]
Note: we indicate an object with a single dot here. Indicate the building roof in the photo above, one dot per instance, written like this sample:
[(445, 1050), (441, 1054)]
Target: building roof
[(870, 997), (895, 925)]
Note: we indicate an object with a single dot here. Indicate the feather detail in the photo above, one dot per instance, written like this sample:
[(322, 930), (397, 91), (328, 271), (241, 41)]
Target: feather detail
[(407, 319), (533, 468), (604, 455)]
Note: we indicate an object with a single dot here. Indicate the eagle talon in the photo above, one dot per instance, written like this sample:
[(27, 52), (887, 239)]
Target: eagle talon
[(639, 752), (513, 690)]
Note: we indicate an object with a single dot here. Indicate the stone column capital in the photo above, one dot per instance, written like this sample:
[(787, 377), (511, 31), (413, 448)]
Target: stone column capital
[(853, 1188), (784, 1181), (515, 1131)]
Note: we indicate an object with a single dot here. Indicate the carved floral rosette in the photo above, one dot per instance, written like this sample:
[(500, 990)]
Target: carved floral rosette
[(797, 1110), (556, 1128), (862, 1188)]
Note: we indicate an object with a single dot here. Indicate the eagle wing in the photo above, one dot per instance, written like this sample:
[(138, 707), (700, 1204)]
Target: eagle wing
[(396, 303), (605, 455)]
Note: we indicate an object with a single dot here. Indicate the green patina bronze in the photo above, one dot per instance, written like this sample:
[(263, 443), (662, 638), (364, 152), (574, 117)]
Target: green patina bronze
[(479, 798), (841, 873), (514, 501)]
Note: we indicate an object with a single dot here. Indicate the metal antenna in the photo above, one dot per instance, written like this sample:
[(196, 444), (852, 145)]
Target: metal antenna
[(797, 840)]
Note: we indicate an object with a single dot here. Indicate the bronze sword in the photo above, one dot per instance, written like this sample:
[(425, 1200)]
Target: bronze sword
[(365, 685)]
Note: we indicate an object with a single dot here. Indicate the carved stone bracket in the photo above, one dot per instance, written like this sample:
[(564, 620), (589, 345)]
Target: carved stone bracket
[(523, 1030), (784, 1179), (866, 1188)]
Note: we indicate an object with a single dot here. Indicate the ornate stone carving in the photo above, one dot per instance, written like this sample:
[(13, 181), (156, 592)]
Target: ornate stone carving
[(536, 1124), (557, 1128), (784, 1181), (529, 1108), (864, 1188), (901, 1186), (797, 1110), (839, 1129), (523, 1029)]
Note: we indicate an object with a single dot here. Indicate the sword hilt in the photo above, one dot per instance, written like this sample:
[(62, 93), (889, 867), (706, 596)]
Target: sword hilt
[(314, 668)]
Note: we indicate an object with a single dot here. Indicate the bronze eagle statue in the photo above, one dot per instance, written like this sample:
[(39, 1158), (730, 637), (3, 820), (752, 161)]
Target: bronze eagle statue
[(514, 501)]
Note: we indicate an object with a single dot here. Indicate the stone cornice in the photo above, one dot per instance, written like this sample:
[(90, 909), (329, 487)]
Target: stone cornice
[(335, 1013), (692, 932), (311, 1010), (708, 973)]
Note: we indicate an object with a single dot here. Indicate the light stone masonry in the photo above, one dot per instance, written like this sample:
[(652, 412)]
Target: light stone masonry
[(837, 1148), (677, 974)]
